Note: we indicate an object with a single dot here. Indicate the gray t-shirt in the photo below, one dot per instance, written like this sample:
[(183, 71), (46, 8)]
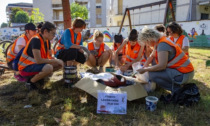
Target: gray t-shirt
[(166, 47)]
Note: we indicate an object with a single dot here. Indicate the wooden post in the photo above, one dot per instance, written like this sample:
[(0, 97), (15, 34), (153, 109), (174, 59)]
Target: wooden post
[(172, 10), (122, 21), (129, 19), (66, 14), (166, 13)]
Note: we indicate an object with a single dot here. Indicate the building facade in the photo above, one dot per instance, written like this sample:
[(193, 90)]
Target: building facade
[(53, 11), (185, 10), (27, 7), (104, 13)]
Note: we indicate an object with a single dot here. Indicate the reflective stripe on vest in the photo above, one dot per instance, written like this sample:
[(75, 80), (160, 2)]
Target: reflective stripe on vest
[(181, 61), (78, 40), (25, 60), (179, 42), (132, 54), (11, 53), (101, 49)]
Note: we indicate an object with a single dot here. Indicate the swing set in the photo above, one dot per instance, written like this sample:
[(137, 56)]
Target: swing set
[(127, 11)]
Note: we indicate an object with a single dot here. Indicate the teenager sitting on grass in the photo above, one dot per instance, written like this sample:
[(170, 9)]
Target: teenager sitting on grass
[(19, 43), (35, 60), (69, 47), (100, 52), (134, 51), (118, 39)]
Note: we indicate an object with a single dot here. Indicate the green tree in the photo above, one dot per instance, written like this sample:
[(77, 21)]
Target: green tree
[(21, 17), (3, 25), (78, 11), (13, 13), (36, 16)]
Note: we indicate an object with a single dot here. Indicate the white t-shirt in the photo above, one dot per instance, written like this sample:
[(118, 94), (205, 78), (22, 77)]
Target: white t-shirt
[(185, 42), (20, 41), (106, 47)]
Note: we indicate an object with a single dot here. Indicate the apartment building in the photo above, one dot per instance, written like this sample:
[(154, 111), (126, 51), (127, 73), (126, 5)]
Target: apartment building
[(185, 10), (53, 11), (27, 7)]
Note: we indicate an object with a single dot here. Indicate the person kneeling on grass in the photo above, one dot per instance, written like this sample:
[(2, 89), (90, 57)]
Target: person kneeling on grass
[(69, 47), (17, 46), (173, 67), (134, 51), (118, 39), (100, 52), (35, 60)]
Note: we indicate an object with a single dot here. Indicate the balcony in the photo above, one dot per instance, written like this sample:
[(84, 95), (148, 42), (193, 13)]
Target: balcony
[(57, 18), (57, 7)]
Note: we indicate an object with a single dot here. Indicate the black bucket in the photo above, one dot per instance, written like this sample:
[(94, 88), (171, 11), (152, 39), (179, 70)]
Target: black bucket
[(70, 75)]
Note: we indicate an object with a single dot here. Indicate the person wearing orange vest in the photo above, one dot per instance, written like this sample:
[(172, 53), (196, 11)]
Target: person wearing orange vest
[(19, 43), (100, 52), (134, 51), (35, 60), (118, 39), (174, 31), (173, 67), (69, 47)]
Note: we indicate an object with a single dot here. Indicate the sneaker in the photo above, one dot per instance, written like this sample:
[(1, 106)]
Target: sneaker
[(101, 69), (20, 78), (30, 86)]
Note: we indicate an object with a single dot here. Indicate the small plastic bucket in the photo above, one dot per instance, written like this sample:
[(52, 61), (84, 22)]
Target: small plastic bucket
[(109, 69), (151, 103)]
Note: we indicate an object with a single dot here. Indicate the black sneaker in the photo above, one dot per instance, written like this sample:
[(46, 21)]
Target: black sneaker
[(30, 86)]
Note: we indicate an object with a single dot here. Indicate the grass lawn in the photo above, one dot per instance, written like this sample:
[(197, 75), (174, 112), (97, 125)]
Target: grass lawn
[(64, 107)]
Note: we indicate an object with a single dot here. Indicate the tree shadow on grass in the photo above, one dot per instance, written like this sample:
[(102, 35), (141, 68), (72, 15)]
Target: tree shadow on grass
[(72, 106)]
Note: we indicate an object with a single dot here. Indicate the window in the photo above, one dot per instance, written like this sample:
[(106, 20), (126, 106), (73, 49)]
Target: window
[(98, 6), (98, 10), (98, 1), (98, 21), (120, 7), (204, 16)]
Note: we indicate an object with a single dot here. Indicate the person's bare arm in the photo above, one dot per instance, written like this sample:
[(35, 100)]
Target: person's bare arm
[(20, 47), (118, 50), (150, 58), (39, 59), (162, 63), (185, 49), (140, 54)]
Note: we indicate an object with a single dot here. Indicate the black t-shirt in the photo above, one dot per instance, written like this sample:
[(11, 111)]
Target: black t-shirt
[(36, 44)]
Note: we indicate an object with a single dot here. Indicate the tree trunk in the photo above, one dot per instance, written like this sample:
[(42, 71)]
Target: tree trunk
[(66, 14)]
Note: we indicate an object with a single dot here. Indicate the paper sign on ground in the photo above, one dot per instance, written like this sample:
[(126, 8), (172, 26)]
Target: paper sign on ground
[(112, 102)]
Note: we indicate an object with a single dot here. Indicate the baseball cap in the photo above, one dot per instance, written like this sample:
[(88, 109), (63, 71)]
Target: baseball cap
[(30, 26)]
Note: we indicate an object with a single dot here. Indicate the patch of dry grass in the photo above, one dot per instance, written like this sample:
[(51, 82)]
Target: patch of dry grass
[(63, 106)]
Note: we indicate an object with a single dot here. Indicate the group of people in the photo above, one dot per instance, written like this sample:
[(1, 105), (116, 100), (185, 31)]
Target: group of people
[(166, 49)]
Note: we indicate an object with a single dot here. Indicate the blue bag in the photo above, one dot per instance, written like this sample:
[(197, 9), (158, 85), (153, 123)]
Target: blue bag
[(16, 60)]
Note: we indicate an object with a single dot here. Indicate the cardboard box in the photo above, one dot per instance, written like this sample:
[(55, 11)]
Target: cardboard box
[(90, 86)]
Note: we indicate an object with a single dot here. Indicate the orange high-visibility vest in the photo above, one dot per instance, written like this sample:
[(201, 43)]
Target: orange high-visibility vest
[(11, 53), (179, 42), (78, 40), (181, 61), (132, 54), (101, 49), (123, 50), (25, 60)]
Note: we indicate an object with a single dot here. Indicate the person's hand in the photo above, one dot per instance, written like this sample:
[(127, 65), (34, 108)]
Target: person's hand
[(141, 70), (124, 68), (59, 62)]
